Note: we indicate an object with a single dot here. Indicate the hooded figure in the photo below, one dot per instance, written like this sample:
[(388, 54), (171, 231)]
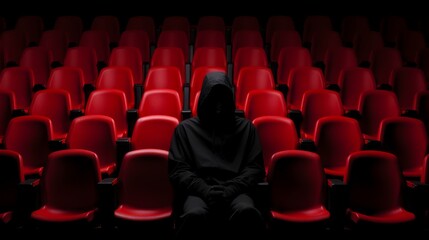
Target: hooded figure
[(215, 160)]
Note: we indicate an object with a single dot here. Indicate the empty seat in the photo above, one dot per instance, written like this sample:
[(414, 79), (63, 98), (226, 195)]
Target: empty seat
[(278, 23), (7, 105), (97, 134), (210, 57), (313, 24), (391, 27), (281, 39), (315, 105), (210, 38), (353, 82), (264, 102), (289, 58), (251, 78), (54, 104), (32, 27), (240, 23), (179, 23), (248, 56), (69, 187), (275, 134), (153, 132), (145, 192), (374, 183), (169, 56), (337, 60), (167, 77), (384, 62), (406, 83), (84, 58), (322, 42), (120, 78), (13, 44), (336, 137), (29, 136), (57, 42), (352, 26), (406, 138), (99, 41), (70, 79), (128, 57), (409, 45), (72, 25), (111, 103), (138, 39), (174, 38), (365, 44), (246, 38), (11, 175), (423, 62), (145, 23), (161, 102), (374, 106), (302, 79), (20, 81), (211, 23), (297, 186), (110, 24), (39, 60)]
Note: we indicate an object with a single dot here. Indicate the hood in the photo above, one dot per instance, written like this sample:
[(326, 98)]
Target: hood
[(216, 105)]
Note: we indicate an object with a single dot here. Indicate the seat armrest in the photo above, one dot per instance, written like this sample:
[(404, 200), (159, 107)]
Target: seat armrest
[(28, 199), (107, 192), (337, 202)]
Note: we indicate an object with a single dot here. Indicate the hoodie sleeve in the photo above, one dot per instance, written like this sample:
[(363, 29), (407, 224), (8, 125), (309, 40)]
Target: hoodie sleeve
[(253, 170), (181, 173)]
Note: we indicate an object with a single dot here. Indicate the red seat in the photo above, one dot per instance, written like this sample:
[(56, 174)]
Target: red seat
[(72, 25), (262, 102), (145, 23), (289, 58), (69, 187), (352, 26), (169, 56), (97, 134), (246, 38), (179, 23), (7, 105), (302, 79), (409, 45), (365, 44), (337, 60), (275, 134), (145, 192), (70, 79), (278, 23), (84, 58), (251, 78), (423, 62), (315, 105), (353, 82), (297, 186), (161, 102), (282, 39), (167, 77), (13, 44), (109, 24), (138, 39), (39, 60), (153, 132), (374, 106), (99, 41), (128, 57), (406, 138), (374, 183), (211, 23), (57, 42), (29, 136), (111, 103), (210, 38), (11, 175), (120, 78), (422, 106), (384, 61), (32, 27), (407, 83), (322, 42), (336, 137), (249, 56), (176, 39), (209, 57), (240, 23), (313, 24), (54, 104), (391, 27), (20, 81)]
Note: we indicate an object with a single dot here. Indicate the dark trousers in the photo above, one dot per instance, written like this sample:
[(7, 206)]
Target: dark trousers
[(241, 218)]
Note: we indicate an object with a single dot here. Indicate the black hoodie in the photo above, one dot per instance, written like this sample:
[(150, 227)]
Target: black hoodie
[(215, 148)]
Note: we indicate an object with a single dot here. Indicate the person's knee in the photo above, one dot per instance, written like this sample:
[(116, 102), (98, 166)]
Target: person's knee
[(199, 214), (247, 212)]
